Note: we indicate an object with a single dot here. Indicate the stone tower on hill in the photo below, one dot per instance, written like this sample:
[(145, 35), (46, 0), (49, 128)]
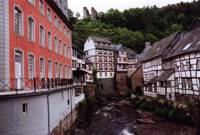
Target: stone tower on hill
[(93, 14), (86, 13)]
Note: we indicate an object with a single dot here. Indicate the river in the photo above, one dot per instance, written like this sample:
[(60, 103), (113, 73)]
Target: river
[(120, 118)]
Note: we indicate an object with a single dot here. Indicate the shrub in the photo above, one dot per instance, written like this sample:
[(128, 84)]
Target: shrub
[(172, 114), (164, 112)]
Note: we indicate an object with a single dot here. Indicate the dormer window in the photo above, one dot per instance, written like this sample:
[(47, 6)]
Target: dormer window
[(187, 46)]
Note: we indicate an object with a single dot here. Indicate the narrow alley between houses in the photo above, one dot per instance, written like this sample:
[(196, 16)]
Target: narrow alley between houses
[(121, 118)]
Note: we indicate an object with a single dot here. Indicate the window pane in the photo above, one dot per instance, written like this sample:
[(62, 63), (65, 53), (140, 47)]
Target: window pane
[(49, 41), (18, 21), (31, 28), (49, 69), (42, 68), (42, 36), (31, 66)]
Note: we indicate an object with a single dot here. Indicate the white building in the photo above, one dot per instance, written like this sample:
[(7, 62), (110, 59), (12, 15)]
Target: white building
[(100, 52)]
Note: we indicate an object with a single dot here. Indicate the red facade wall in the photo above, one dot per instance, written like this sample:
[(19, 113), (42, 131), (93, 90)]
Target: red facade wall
[(27, 47)]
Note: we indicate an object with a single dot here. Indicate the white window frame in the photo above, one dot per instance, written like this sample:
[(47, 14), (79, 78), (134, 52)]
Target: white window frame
[(21, 31), (60, 48), (49, 41), (65, 50), (56, 69), (42, 75), (65, 72), (56, 21), (41, 4), (56, 42), (42, 43), (32, 39), (31, 75), (50, 72), (49, 14), (61, 70), (60, 25), (22, 54)]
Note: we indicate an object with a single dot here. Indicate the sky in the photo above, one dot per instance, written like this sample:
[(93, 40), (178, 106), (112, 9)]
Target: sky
[(104, 5)]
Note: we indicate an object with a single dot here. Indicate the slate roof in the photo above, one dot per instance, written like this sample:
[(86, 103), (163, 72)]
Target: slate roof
[(161, 48), (153, 80), (118, 47), (165, 75), (87, 61), (100, 39), (142, 55), (130, 53), (188, 42), (102, 43)]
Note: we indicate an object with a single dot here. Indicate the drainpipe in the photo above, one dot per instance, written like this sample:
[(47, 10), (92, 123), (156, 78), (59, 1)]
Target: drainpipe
[(71, 107), (48, 113)]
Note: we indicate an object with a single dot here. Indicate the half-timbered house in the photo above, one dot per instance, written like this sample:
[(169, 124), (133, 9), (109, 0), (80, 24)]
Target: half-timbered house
[(153, 66), (185, 56)]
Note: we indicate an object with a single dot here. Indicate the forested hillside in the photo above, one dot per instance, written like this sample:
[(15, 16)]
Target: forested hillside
[(135, 26)]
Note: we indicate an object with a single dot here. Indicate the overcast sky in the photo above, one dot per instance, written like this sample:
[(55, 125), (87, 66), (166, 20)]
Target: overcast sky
[(104, 5)]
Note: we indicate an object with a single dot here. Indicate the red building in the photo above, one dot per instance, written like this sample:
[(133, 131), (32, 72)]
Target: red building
[(37, 44)]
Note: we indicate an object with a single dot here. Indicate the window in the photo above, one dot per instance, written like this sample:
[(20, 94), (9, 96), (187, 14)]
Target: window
[(168, 84), (188, 66), (49, 69), (41, 6), (187, 47), (60, 26), (65, 31), (182, 67), (49, 14), (69, 72), (42, 36), (61, 71), (31, 2), (25, 108), (69, 52), (198, 64), (60, 48), (162, 84), (65, 50), (199, 83), (42, 68), (65, 70), (49, 40), (31, 29), (56, 70), (18, 21), (56, 44), (176, 83), (189, 80), (31, 66), (55, 21), (183, 83), (68, 102)]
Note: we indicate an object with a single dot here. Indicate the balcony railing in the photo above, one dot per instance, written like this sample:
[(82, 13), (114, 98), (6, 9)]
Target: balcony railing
[(17, 84)]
